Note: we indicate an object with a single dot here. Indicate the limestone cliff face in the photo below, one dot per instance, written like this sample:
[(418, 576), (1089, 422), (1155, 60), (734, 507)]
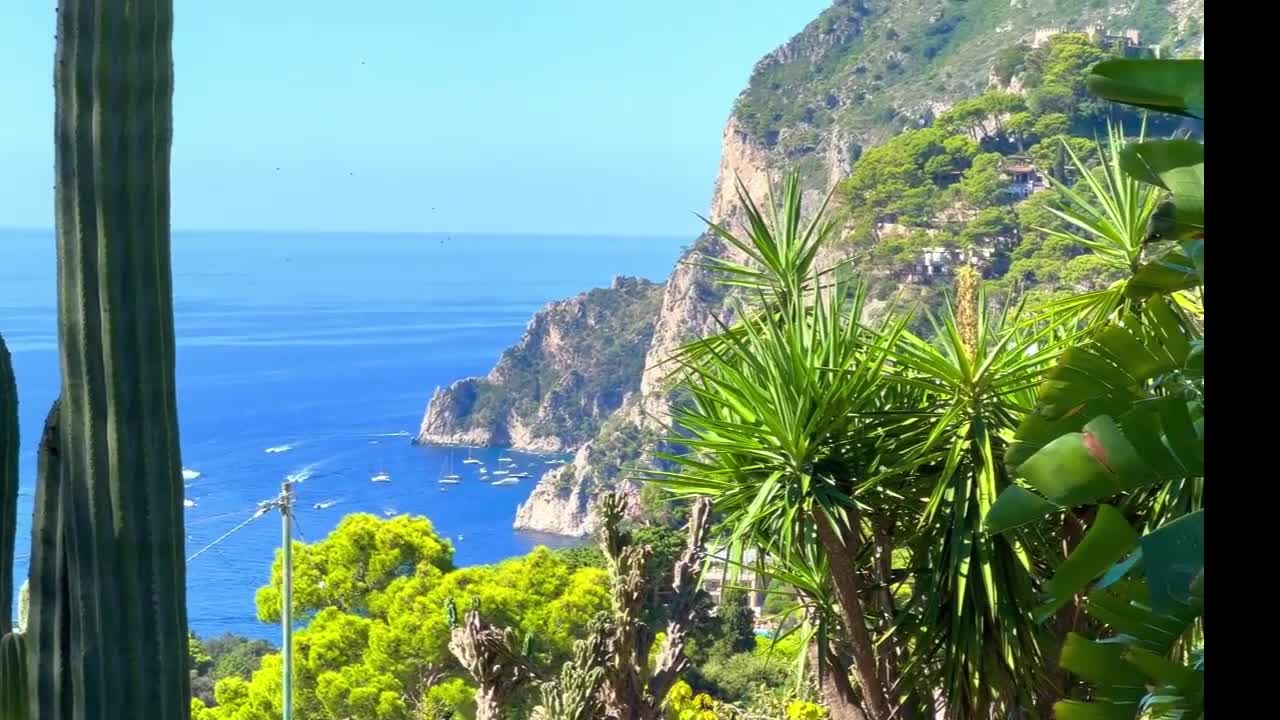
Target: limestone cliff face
[(559, 503), (576, 362)]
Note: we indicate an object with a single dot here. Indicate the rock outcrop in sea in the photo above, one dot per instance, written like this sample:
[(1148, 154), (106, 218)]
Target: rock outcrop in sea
[(575, 364)]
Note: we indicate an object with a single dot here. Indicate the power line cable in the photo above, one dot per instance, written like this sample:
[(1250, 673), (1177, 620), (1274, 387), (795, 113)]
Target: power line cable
[(262, 510)]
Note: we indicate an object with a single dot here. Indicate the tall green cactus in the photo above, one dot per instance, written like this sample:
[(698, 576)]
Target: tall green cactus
[(14, 701), (13, 661), (8, 483), (108, 625), (49, 622)]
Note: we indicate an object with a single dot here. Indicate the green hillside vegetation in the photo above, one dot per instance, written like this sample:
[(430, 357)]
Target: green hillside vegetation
[(863, 67), (945, 186)]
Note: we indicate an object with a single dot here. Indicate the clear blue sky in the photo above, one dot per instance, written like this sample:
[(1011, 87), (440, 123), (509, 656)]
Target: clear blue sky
[(550, 116)]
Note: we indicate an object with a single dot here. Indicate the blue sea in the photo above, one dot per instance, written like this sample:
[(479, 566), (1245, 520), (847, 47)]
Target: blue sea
[(312, 356)]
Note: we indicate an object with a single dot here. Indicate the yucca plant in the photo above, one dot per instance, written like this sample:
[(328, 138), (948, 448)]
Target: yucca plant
[(971, 385), (782, 427)]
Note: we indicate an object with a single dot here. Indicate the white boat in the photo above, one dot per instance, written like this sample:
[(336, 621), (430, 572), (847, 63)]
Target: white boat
[(381, 477), (520, 475), (389, 512), (506, 481), (325, 504), (499, 472), (470, 460), (450, 477), (188, 503)]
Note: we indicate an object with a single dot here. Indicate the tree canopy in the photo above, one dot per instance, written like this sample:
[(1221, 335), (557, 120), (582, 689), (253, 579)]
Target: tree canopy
[(376, 643)]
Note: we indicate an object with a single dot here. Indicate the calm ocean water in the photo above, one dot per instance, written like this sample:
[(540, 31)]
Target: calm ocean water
[(313, 355)]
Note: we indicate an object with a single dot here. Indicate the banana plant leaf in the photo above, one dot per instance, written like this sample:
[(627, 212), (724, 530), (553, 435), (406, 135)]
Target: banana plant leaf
[(1176, 166), (1109, 539), (1171, 86), (1168, 273), (1173, 560), (1106, 376), (1133, 673), (1156, 442)]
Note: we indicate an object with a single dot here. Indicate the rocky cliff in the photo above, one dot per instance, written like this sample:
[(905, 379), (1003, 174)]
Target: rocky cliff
[(861, 72), (576, 363)]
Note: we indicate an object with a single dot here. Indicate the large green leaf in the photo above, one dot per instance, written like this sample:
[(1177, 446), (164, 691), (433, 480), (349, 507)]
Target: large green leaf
[(1108, 540), (1105, 376), (1105, 664), (1176, 166), (1168, 273), (1155, 442), (1133, 669), (1017, 506), (1097, 428), (1125, 608), (1084, 467), (1172, 86), (1077, 710), (1174, 558)]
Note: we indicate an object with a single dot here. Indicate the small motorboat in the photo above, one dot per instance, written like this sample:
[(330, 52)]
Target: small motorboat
[(381, 477)]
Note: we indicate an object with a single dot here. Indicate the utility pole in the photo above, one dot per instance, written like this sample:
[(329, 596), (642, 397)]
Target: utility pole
[(286, 613)]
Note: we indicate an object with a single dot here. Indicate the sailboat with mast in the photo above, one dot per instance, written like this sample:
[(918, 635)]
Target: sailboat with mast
[(382, 476), (470, 460), (450, 478)]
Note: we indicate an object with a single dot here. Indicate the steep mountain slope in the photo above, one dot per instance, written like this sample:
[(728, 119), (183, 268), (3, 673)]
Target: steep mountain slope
[(860, 73)]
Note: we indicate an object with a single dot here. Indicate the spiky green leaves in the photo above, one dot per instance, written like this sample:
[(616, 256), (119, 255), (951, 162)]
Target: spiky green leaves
[(779, 254)]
